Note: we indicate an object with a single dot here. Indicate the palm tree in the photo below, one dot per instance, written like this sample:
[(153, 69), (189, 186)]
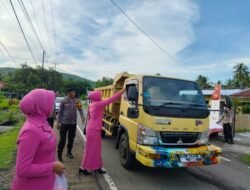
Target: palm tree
[(230, 83), (203, 82), (241, 75)]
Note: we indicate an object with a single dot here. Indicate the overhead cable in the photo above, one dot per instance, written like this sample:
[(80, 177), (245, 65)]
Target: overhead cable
[(148, 36), (23, 32)]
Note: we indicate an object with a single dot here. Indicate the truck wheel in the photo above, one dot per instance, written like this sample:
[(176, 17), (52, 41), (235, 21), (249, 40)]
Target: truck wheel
[(126, 157)]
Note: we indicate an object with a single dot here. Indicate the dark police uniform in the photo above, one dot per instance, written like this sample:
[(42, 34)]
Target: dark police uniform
[(67, 116)]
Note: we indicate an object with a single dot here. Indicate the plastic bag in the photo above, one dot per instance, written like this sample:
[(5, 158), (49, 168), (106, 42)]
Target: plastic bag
[(61, 183)]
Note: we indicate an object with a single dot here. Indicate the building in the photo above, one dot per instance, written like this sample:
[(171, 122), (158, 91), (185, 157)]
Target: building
[(242, 97)]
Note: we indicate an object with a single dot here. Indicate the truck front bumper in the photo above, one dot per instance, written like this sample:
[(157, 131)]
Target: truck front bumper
[(156, 156)]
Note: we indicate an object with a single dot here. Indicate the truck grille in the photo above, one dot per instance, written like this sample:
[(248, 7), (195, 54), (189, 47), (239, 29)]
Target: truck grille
[(179, 137)]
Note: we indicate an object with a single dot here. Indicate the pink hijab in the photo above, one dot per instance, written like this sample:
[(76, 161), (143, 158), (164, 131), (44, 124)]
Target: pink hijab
[(95, 96), (38, 104)]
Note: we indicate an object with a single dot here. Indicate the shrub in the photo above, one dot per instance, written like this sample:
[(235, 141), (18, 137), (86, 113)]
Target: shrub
[(9, 110), (83, 97), (4, 104), (246, 109)]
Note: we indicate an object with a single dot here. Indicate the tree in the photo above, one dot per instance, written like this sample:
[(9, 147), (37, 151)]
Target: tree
[(52, 80), (27, 78), (229, 83), (219, 82), (104, 82), (81, 87), (203, 82), (241, 75)]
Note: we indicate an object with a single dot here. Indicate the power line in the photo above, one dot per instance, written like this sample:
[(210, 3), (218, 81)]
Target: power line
[(53, 26), (6, 7), (30, 22), (148, 36), (23, 32), (46, 24), (7, 51), (35, 18)]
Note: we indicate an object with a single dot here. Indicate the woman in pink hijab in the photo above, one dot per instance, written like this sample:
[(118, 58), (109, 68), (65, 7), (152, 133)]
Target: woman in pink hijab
[(35, 163), (92, 160)]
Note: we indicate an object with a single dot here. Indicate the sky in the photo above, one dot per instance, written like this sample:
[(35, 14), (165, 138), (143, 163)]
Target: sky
[(94, 38)]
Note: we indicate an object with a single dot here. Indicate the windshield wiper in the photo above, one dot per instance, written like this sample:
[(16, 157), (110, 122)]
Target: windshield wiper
[(197, 105), (170, 103), (183, 105)]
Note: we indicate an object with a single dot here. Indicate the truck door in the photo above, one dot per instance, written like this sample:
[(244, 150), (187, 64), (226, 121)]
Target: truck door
[(129, 106)]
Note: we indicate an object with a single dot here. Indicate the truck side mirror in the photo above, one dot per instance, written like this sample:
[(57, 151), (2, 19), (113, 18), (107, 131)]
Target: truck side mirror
[(206, 112), (132, 93), (133, 113)]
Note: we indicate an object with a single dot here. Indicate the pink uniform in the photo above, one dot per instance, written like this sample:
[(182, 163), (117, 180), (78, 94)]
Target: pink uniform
[(92, 159), (36, 143)]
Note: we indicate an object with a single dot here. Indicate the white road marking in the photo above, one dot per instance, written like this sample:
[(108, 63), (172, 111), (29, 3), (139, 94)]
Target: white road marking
[(80, 131), (109, 180), (244, 134), (248, 167), (225, 159), (107, 177), (237, 139)]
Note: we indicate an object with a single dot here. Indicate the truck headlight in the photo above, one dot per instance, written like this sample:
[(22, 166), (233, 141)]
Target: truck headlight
[(146, 136), (204, 137)]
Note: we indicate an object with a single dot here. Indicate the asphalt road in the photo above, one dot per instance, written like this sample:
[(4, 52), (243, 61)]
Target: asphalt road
[(231, 174), (226, 175)]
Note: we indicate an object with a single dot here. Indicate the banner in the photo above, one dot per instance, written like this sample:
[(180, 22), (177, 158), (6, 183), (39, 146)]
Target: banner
[(215, 115)]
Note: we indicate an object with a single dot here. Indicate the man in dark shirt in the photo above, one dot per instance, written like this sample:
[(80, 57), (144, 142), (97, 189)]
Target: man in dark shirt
[(67, 121)]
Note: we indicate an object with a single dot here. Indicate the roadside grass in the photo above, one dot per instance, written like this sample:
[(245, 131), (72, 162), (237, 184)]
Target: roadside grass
[(8, 146), (3, 116), (246, 159)]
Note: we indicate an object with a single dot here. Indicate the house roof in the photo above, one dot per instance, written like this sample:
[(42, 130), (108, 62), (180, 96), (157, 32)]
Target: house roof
[(243, 93), (224, 92)]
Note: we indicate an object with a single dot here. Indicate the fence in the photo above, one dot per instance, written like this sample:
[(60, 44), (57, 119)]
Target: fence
[(242, 122)]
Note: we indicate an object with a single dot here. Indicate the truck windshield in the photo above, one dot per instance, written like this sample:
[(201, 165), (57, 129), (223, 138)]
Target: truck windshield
[(173, 97)]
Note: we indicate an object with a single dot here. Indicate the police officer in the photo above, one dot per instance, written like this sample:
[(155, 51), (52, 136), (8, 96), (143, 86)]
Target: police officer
[(225, 118), (67, 120)]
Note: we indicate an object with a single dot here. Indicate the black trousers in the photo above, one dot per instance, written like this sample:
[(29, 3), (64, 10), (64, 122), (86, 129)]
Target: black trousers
[(64, 129), (51, 121), (227, 129)]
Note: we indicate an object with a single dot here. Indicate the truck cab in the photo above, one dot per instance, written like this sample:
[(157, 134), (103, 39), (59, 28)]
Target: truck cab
[(164, 122)]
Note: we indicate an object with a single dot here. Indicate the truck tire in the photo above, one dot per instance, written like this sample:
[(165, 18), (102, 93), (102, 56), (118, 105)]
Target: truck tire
[(127, 159)]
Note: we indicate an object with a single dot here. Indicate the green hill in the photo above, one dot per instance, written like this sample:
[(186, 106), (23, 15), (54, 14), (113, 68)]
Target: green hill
[(6, 70), (66, 76)]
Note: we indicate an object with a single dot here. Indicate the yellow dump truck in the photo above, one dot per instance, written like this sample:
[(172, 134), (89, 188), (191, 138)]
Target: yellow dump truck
[(160, 121)]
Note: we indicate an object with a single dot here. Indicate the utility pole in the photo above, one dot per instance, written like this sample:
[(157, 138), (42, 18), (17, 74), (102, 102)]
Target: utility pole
[(42, 74), (54, 76)]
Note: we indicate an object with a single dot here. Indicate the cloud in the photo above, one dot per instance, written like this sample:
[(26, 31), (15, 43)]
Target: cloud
[(93, 39), (219, 70)]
